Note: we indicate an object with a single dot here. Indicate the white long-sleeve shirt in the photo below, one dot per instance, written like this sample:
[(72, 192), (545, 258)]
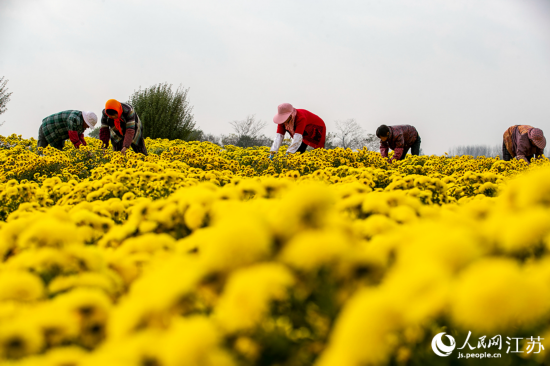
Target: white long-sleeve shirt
[(294, 145)]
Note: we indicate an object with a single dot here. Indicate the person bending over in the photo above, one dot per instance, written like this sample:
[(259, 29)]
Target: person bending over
[(305, 128), (400, 139), (121, 124), (71, 124), (523, 142)]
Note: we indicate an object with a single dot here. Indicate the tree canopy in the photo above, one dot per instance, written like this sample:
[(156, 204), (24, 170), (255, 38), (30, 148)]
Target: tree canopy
[(165, 113)]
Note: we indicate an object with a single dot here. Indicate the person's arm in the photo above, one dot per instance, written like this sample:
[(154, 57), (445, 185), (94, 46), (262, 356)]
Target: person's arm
[(522, 157), (105, 130), (300, 124), (130, 129), (277, 143), (128, 138), (73, 122), (523, 145), (73, 136), (384, 148), (399, 147), (82, 140), (278, 140), (295, 144), (397, 153), (104, 136)]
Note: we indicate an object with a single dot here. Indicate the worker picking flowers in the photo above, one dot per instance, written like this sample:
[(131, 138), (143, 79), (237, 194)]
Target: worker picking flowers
[(305, 128), (121, 125), (70, 124)]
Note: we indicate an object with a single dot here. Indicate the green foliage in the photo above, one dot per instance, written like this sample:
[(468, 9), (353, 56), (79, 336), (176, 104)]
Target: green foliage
[(4, 95), (164, 113), (195, 135), (94, 133)]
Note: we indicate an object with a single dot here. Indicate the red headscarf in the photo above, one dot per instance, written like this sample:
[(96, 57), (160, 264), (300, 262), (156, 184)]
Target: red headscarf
[(115, 105)]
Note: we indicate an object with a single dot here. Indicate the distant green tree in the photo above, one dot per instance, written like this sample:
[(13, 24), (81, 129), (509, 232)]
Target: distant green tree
[(4, 96), (165, 113), (195, 135), (94, 133)]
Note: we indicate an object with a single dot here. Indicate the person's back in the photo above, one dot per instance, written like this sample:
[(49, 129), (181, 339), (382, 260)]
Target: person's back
[(523, 142), (399, 138), (120, 124), (57, 126), (314, 129), (69, 124), (305, 128)]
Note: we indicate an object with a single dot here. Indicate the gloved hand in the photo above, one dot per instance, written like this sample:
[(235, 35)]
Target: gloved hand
[(270, 157)]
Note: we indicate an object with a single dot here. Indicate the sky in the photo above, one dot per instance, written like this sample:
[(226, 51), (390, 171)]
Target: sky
[(460, 71)]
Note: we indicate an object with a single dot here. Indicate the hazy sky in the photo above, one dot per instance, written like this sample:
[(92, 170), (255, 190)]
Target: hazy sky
[(461, 71)]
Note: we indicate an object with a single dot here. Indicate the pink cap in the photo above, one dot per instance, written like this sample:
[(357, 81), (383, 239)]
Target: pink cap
[(283, 112), (537, 137)]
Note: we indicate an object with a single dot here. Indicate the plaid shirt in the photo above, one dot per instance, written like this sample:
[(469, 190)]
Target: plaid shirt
[(57, 126), (128, 121), (401, 138), (518, 143)]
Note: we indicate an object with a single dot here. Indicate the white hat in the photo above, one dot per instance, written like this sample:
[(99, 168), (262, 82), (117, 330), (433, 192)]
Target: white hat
[(90, 118)]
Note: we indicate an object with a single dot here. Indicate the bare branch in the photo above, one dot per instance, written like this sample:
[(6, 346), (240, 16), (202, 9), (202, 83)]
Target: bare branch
[(4, 95), (349, 134), (248, 127), (247, 133), (210, 138)]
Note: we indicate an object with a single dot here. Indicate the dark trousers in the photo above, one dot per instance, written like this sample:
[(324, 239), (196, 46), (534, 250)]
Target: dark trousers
[(139, 148), (506, 156), (415, 148), (43, 143), (302, 148)]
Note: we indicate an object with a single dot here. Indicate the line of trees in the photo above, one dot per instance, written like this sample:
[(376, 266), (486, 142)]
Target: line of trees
[(477, 150)]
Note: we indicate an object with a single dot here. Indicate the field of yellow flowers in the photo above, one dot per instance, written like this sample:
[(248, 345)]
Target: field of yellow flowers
[(200, 255)]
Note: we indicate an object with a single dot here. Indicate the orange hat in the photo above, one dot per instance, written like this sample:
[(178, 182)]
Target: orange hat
[(114, 104)]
